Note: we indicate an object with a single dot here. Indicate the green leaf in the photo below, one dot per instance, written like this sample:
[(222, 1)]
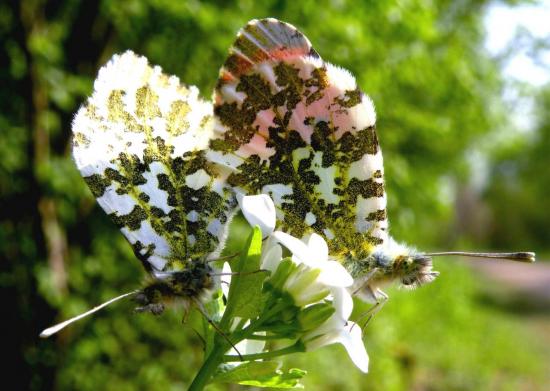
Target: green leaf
[(261, 374), (245, 293)]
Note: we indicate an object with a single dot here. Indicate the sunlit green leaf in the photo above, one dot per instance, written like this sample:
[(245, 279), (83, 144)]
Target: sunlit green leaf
[(262, 374), (245, 298)]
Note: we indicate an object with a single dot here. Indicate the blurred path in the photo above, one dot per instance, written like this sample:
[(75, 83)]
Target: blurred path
[(529, 279), (523, 289)]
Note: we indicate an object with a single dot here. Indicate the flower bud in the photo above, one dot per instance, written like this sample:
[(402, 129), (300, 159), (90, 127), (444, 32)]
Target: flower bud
[(284, 270), (314, 315)]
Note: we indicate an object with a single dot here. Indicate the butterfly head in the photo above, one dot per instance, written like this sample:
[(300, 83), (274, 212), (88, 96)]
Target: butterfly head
[(191, 283), (398, 263), (413, 270)]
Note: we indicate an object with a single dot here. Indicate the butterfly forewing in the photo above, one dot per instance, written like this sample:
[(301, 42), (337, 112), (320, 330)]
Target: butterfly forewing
[(139, 142), (299, 129)]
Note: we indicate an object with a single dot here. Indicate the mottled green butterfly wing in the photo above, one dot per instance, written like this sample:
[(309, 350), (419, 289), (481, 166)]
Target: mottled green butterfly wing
[(299, 129), (139, 142)]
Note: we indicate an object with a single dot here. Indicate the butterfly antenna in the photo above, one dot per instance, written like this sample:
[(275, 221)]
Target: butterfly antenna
[(527, 257), (202, 310), (54, 329), (241, 273)]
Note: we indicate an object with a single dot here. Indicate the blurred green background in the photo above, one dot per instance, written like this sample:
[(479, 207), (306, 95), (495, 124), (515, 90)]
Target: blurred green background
[(460, 174)]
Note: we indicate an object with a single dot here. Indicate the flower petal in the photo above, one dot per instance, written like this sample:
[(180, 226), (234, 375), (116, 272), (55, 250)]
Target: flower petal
[(351, 338), (342, 302), (272, 257), (303, 286), (251, 346), (334, 274), (331, 327), (259, 210), (299, 249), (318, 248)]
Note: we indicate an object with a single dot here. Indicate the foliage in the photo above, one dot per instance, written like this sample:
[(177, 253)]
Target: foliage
[(520, 177), (437, 94)]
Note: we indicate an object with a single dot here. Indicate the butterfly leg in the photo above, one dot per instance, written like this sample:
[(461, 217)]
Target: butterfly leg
[(202, 310), (363, 289), (381, 299), (185, 316), (149, 300), (154, 308)]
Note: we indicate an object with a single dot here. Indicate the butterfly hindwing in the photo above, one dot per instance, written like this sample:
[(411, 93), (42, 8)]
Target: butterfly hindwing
[(139, 142), (293, 126)]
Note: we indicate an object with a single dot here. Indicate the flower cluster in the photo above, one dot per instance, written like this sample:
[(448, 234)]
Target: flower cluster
[(309, 289)]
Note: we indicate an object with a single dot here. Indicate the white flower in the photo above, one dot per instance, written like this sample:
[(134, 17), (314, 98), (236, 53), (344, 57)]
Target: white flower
[(304, 286), (315, 278), (342, 302), (343, 305), (225, 280), (259, 210), (315, 274)]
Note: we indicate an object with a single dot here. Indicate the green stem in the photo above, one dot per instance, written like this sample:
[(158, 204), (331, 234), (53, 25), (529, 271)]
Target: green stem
[(255, 325), (214, 359), (216, 356), (297, 347)]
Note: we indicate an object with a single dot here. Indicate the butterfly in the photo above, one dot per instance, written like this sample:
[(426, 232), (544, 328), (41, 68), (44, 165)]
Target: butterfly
[(298, 128), (168, 166)]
